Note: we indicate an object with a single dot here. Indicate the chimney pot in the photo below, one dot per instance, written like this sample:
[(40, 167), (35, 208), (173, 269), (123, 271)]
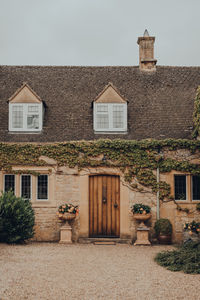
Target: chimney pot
[(146, 52)]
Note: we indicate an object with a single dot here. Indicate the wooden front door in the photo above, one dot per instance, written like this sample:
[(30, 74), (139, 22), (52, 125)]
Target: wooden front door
[(104, 206)]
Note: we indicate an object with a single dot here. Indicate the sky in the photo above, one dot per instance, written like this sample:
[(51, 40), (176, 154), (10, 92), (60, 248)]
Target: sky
[(98, 32)]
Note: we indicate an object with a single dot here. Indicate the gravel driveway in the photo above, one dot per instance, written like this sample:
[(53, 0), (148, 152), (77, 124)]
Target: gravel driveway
[(87, 272)]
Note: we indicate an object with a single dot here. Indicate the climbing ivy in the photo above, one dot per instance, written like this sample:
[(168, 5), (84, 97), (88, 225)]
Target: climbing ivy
[(196, 115), (138, 160)]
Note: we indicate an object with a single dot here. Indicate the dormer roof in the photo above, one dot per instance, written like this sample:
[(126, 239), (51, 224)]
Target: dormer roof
[(110, 94), (25, 95)]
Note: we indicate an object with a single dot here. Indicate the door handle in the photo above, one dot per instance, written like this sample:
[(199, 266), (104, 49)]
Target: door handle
[(104, 200), (115, 205)]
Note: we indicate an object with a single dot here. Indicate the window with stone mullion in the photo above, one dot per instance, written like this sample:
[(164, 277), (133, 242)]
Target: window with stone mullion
[(26, 186), (42, 187), (9, 183)]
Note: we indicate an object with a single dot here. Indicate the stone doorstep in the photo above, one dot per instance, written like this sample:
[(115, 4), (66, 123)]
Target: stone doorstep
[(104, 241)]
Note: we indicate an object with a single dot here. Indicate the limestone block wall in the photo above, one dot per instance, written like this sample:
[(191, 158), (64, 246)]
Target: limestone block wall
[(67, 185)]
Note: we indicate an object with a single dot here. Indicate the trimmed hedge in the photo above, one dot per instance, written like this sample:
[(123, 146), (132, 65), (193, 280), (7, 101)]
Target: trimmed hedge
[(16, 219)]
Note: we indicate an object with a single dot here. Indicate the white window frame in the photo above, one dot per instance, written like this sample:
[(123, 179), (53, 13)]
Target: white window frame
[(25, 114), (30, 186), (4, 181), (47, 188), (110, 118)]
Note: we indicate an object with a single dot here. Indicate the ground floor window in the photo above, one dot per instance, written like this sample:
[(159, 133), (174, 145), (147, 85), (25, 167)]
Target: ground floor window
[(42, 187), (180, 187), (9, 183), (187, 187), (26, 186)]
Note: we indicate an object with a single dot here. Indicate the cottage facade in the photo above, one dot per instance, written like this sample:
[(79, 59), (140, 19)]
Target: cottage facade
[(45, 110)]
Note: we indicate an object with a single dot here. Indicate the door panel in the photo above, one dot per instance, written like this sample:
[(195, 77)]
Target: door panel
[(104, 206)]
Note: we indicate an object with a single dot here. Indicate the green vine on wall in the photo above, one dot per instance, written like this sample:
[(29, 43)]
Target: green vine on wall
[(196, 115), (138, 160)]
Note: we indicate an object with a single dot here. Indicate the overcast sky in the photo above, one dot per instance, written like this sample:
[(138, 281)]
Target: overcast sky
[(97, 32)]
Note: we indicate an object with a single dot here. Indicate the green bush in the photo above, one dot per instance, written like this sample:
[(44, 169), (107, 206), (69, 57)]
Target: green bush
[(16, 219), (140, 208), (163, 227), (186, 259)]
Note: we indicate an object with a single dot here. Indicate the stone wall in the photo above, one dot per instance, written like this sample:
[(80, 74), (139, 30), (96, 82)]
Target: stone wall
[(70, 186)]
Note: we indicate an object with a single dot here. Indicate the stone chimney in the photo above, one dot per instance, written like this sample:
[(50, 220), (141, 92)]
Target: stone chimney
[(146, 52)]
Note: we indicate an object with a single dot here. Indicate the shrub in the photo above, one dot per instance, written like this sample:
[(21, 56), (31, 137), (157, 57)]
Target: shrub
[(16, 219), (163, 227), (140, 208), (186, 259)]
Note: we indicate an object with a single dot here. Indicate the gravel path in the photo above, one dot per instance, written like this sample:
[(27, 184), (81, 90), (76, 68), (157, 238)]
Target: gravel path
[(52, 271)]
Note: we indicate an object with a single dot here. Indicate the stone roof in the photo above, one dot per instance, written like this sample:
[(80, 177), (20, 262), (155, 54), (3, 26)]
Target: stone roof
[(160, 103)]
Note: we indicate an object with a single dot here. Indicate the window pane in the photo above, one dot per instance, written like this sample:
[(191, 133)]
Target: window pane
[(180, 187), (26, 186), (33, 108), (33, 121), (17, 116), (195, 187), (9, 183), (42, 187), (102, 108), (118, 116), (102, 121)]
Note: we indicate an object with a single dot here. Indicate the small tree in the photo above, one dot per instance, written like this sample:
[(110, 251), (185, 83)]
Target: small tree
[(16, 218)]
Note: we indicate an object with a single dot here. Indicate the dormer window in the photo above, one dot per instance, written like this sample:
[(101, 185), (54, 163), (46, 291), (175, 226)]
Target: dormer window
[(25, 117), (110, 117), (110, 111), (25, 111)]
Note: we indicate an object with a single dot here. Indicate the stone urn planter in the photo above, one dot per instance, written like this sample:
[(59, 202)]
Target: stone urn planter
[(141, 213), (191, 231), (191, 236), (67, 217), (142, 229), (66, 229), (142, 218), (66, 214)]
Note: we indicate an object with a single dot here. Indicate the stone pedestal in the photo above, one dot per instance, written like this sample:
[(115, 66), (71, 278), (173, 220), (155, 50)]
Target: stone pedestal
[(142, 236), (66, 234)]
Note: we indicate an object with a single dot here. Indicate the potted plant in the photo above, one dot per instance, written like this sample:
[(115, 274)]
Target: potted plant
[(141, 212), (67, 212), (191, 231), (163, 230)]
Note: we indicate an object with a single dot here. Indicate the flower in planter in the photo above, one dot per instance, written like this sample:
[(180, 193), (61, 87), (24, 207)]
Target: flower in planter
[(140, 208), (67, 208), (192, 227)]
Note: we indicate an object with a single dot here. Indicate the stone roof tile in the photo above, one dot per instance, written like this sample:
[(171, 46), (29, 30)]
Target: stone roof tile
[(160, 103)]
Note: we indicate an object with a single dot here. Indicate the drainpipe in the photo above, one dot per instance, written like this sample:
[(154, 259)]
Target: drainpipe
[(158, 194), (160, 154)]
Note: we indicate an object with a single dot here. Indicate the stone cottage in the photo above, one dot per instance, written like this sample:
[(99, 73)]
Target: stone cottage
[(102, 138)]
